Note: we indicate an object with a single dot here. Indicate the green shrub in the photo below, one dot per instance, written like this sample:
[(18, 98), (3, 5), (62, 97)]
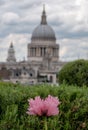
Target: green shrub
[(75, 73), (13, 105)]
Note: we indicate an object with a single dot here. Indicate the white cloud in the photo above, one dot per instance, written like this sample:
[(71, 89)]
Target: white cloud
[(73, 48), (10, 17)]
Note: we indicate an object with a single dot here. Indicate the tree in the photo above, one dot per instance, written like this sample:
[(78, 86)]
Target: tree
[(75, 73)]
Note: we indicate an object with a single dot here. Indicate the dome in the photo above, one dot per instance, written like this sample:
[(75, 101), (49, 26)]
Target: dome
[(43, 32)]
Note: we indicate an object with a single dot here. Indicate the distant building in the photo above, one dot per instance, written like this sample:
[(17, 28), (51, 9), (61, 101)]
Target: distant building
[(42, 62)]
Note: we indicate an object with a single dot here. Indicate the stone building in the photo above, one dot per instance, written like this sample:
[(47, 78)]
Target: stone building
[(42, 62)]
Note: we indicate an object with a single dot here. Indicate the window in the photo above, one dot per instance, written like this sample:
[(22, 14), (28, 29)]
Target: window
[(31, 74), (17, 74)]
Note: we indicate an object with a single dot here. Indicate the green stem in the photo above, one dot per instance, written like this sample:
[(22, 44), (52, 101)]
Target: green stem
[(45, 124)]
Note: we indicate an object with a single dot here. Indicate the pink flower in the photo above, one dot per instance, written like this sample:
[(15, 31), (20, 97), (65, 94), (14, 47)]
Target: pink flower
[(51, 105), (40, 107)]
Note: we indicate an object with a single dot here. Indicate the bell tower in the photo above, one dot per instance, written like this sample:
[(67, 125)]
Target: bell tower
[(11, 54)]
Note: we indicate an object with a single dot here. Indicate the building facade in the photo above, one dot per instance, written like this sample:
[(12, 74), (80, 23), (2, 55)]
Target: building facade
[(42, 62)]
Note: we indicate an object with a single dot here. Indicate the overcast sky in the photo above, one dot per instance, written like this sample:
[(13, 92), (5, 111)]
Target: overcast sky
[(68, 18)]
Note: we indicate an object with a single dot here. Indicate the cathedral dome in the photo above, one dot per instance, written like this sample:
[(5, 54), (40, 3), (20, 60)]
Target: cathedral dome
[(43, 31)]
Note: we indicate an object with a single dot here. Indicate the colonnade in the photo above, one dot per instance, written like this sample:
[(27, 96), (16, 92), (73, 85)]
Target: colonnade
[(42, 51)]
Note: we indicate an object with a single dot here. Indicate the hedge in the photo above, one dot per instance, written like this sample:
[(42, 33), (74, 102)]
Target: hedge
[(74, 73), (14, 103)]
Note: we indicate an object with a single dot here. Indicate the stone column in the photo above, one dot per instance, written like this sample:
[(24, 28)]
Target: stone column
[(30, 52), (33, 51), (54, 79), (37, 54), (57, 51), (54, 52), (44, 51), (51, 51), (38, 51)]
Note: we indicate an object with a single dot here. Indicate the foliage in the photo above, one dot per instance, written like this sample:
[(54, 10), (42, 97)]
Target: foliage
[(14, 103), (75, 73)]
